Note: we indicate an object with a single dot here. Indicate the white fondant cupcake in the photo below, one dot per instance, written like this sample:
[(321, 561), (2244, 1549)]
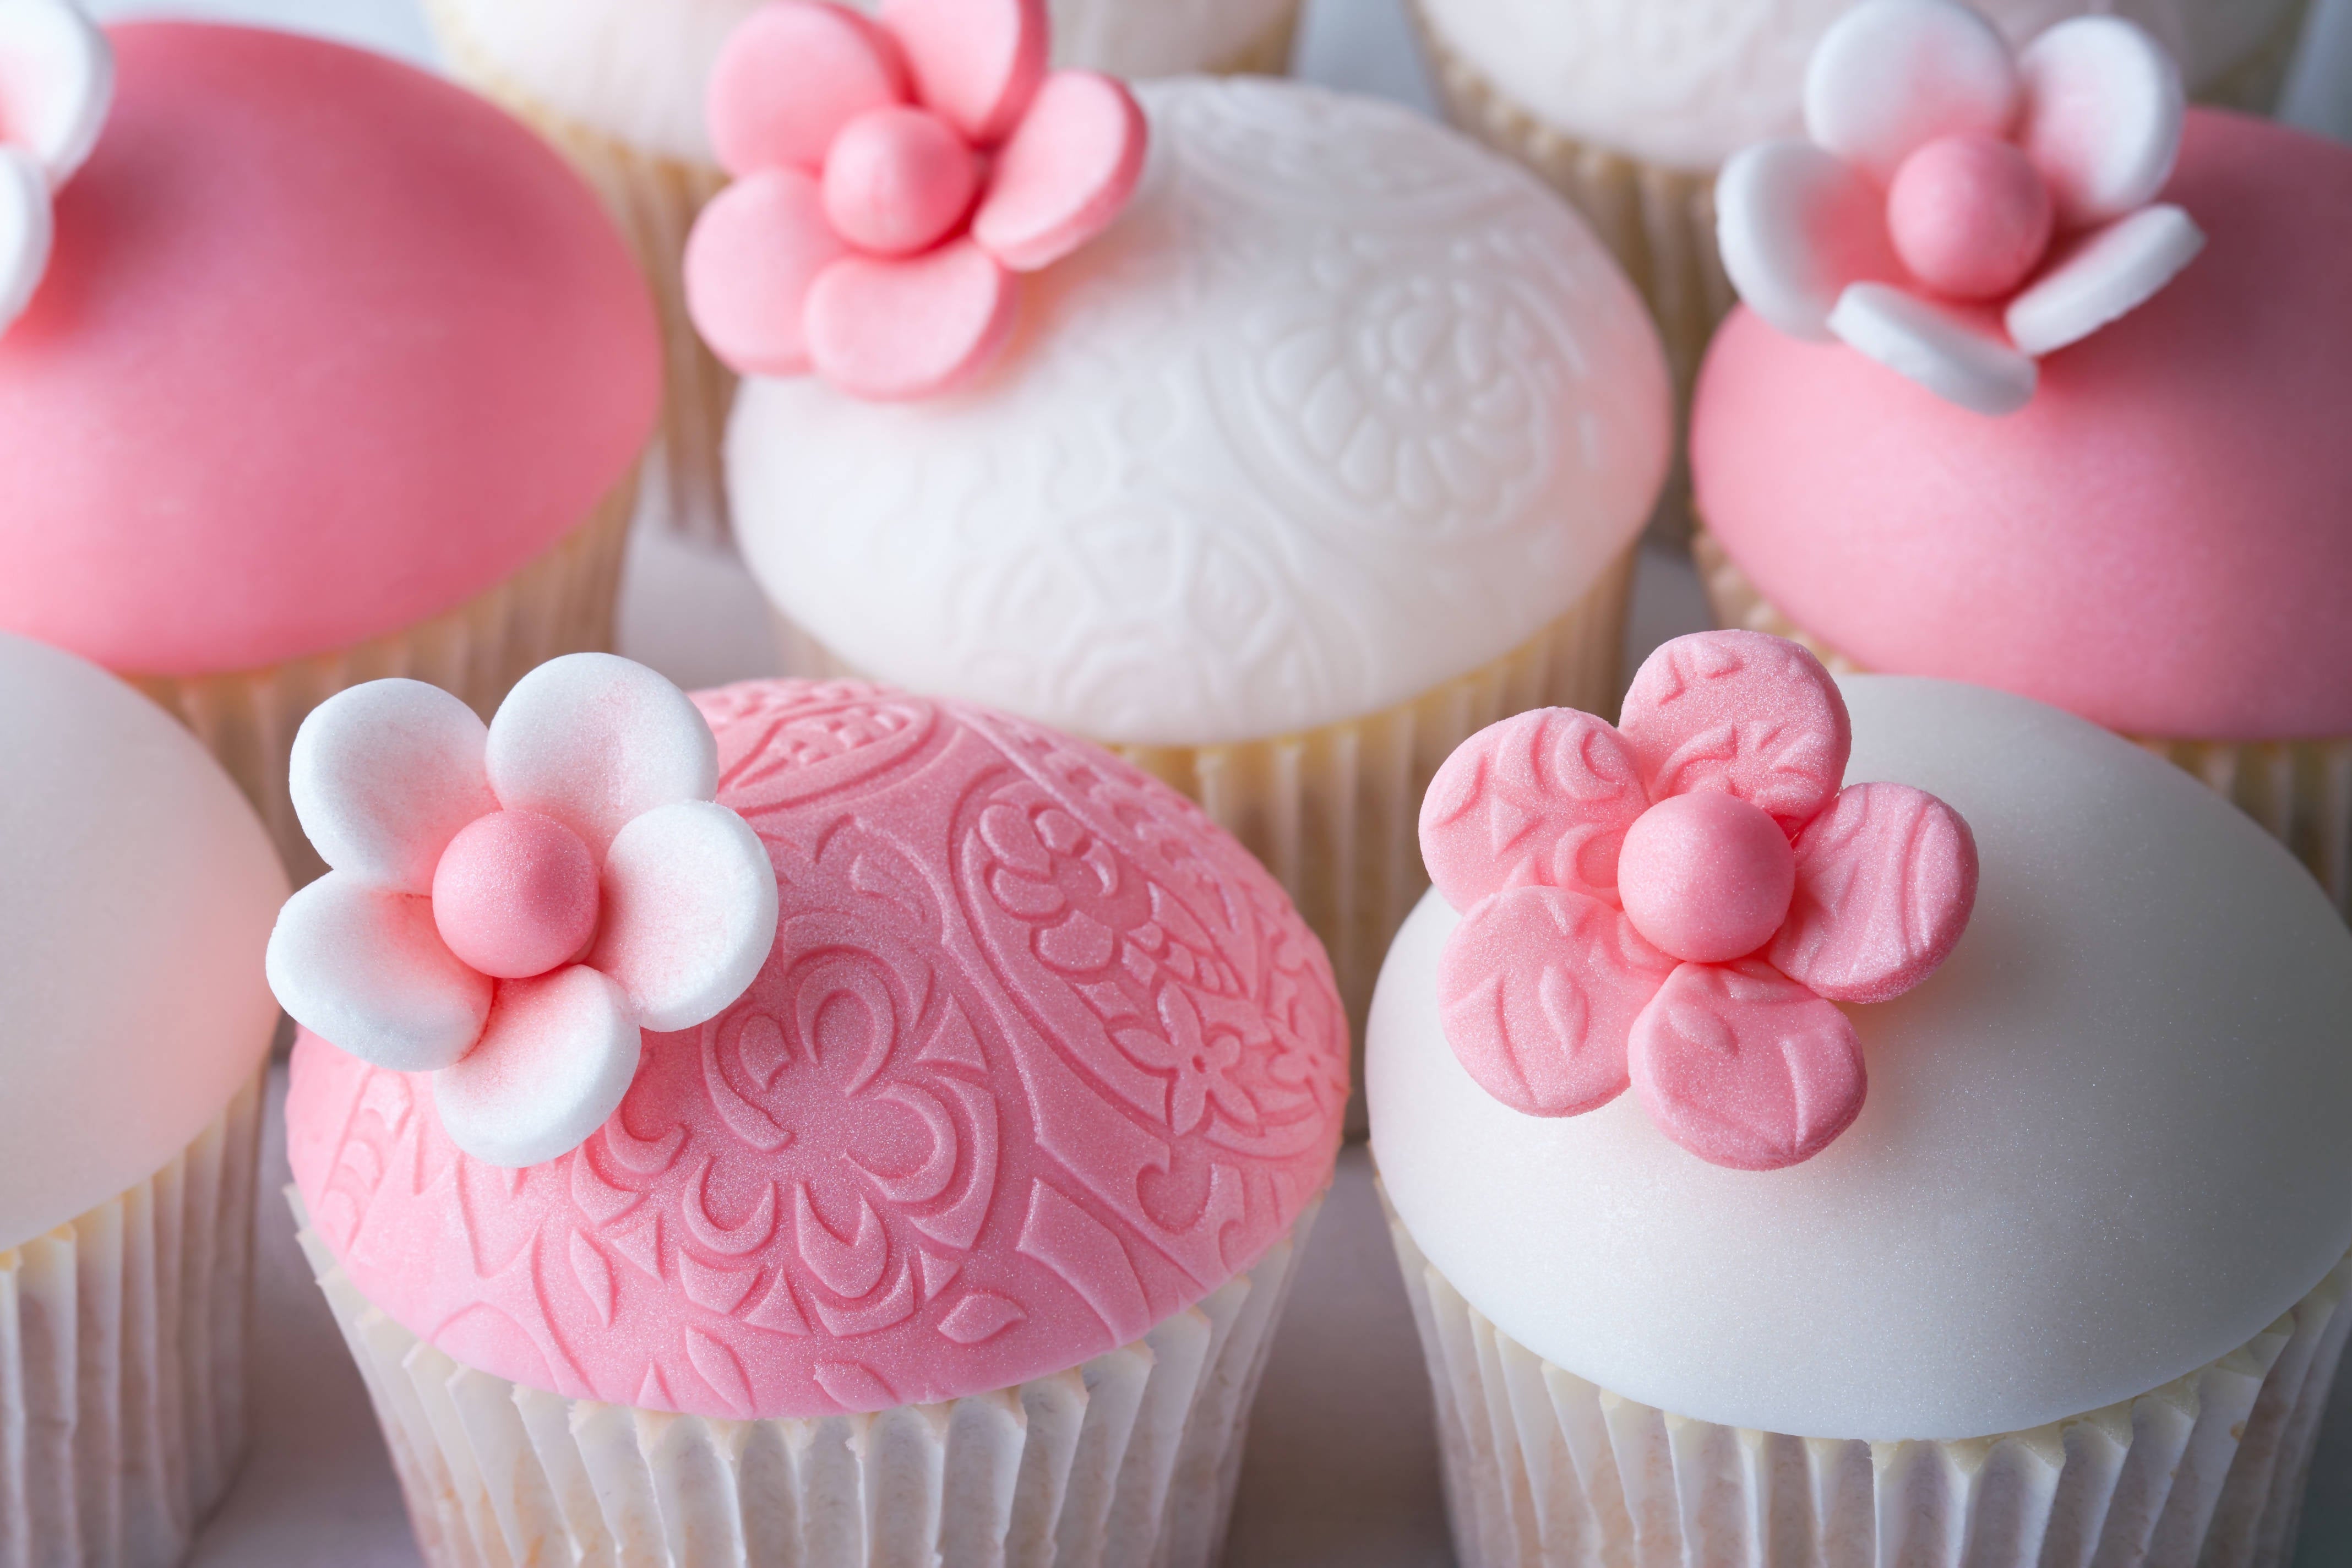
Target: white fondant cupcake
[(1990, 1207), (137, 889)]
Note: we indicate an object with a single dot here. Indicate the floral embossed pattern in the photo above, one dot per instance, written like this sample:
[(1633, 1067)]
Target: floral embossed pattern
[(1040, 1056)]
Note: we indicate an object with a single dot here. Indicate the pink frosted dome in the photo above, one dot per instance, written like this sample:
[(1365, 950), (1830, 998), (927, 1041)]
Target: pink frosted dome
[(325, 347), (1040, 1056)]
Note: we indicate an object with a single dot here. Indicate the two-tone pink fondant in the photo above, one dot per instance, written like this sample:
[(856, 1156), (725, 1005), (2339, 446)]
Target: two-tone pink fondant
[(57, 78), (1676, 904)]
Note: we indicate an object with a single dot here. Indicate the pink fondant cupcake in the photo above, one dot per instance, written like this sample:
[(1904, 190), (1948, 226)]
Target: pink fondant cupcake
[(316, 369), (2019, 398), (808, 1120)]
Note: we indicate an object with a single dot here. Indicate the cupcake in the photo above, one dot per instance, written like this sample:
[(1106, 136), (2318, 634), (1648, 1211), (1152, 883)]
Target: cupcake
[(317, 370), (618, 85), (1990, 1208), (1277, 438), (1922, 462), (809, 1120), (136, 893)]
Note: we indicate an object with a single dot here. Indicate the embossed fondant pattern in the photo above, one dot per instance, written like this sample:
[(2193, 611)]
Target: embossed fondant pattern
[(1040, 1056)]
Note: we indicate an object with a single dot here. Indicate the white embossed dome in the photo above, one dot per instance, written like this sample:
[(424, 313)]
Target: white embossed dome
[(1342, 407)]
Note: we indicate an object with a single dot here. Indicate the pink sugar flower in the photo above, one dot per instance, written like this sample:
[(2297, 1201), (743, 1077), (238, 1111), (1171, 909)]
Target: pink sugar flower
[(1676, 904), (57, 81), (1956, 212), (892, 177)]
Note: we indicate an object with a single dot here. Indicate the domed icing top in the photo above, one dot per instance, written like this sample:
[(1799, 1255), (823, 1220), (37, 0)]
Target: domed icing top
[(1040, 1056), (136, 893), (325, 347), (1342, 406), (1688, 82), (2103, 1146), (2155, 542)]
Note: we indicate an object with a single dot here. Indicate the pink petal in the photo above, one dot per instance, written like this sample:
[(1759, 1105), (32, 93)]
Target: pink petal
[(2103, 276), (892, 330), (689, 914), (1542, 799), (56, 82), (1891, 76), (1746, 1067), (791, 75), (2103, 111), (26, 232), (1065, 175), (1539, 988), (975, 62), (1754, 715), (1942, 351), (554, 1064), (384, 774), (595, 742), (749, 262), (1796, 225), (1886, 879), (363, 968)]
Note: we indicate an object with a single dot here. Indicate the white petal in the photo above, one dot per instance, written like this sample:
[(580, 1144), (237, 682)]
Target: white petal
[(2108, 274), (2102, 120), (363, 968), (1891, 76), (690, 912), (595, 742), (1796, 227), (384, 775), (56, 81), (1946, 356), (27, 231), (554, 1063)]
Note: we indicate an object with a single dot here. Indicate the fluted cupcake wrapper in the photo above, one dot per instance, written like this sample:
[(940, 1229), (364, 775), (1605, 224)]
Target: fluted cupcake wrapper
[(2299, 791), (122, 1360), (1128, 1461), (1542, 1468)]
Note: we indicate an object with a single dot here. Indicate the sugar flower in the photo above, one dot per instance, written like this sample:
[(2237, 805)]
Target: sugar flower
[(57, 81)]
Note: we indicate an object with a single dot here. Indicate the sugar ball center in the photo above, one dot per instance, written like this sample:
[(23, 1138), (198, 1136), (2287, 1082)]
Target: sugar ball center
[(1706, 877), (515, 894), (1969, 216)]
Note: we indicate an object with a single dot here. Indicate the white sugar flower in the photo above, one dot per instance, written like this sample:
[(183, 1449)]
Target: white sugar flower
[(57, 81)]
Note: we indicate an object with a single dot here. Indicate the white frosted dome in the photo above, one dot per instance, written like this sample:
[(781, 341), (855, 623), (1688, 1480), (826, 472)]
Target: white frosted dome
[(1343, 407), (137, 891), (2103, 1146)]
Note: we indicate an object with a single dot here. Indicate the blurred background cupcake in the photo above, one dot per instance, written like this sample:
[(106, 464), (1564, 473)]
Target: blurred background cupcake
[(1991, 1210), (332, 371), (912, 1169), (618, 85), (136, 893)]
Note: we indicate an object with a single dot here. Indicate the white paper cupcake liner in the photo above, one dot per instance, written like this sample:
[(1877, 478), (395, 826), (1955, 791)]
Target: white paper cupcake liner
[(122, 1362), (1543, 1467), (1128, 1461)]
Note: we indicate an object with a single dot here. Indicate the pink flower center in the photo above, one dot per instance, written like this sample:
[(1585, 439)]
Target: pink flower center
[(1706, 877), (515, 894), (897, 180), (1971, 216)]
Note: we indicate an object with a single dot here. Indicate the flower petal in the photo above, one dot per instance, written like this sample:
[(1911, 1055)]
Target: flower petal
[(1886, 879), (793, 74), (1746, 1067), (1065, 175), (1943, 352), (1540, 800), (595, 741), (554, 1064), (975, 63), (1539, 988), (895, 330), (750, 261), (363, 968), (2103, 112), (2103, 276), (1796, 225), (56, 82), (383, 776), (1891, 76), (689, 914), (26, 232), (1753, 715)]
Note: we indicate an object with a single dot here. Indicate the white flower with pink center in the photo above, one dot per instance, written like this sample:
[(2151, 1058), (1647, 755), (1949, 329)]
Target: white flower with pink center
[(511, 905), (57, 81), (1957, 212)]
